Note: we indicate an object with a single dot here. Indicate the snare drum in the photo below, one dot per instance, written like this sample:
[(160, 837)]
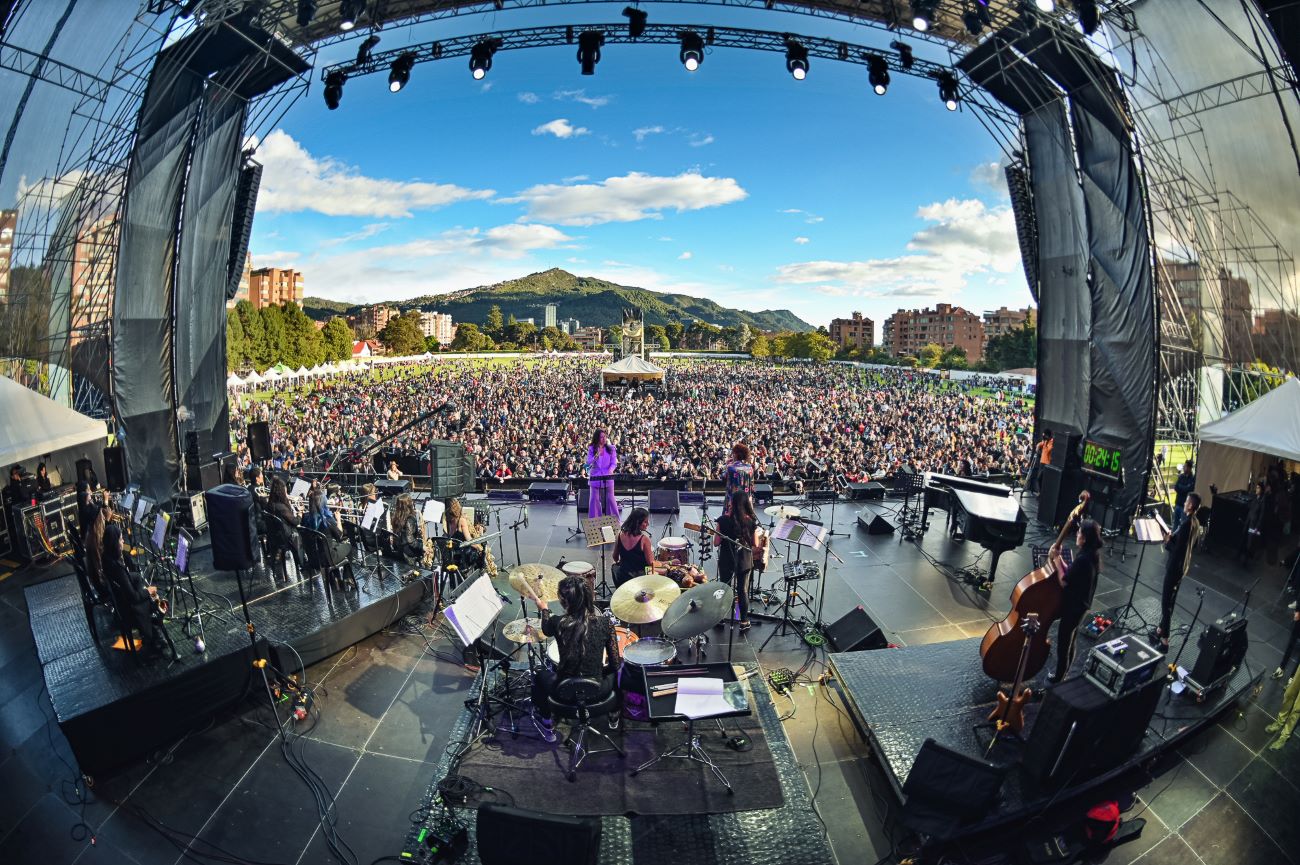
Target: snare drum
[(586, 570), (673, 550), (623, 636), (649, 652)]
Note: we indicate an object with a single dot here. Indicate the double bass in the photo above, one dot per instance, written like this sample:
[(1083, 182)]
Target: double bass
[(1037, 594)]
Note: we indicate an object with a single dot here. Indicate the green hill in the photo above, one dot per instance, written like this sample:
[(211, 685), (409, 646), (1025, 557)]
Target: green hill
[(590, 301)]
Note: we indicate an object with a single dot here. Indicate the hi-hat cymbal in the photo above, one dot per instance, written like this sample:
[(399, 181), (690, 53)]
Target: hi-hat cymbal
[(642, 600), (697, 610), (785, 511), (537, 579), (524, 631)]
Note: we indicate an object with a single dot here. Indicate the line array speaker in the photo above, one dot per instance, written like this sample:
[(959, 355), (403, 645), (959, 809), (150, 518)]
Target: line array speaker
[(259, 441), (115, 468)]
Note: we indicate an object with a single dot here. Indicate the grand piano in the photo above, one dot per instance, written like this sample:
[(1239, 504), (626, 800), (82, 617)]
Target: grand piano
[(978, 511)]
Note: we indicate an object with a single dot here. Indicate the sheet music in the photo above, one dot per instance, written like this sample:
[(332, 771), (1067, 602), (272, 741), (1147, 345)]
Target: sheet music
[(142, 506), (1164, 526), (475, 610), (160, 530), (128, 503), (1148, 530), (299, 489), (370, 518), (607, 534), (701, 698), (432, 514)]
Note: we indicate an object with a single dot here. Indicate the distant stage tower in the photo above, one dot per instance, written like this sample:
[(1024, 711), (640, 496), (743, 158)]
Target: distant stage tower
[(634, 333)]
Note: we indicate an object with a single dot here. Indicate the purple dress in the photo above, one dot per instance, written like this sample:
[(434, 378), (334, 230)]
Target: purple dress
[(602, 501)]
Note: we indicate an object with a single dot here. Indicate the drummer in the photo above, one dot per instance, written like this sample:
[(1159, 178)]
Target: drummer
[(587, 642), (632, 552)]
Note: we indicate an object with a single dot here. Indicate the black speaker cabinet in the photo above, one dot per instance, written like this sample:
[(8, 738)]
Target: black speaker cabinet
[(230, 520), (1081, 731), (584, 500), (550, 839), (1058, 493), (855, 632), (865, 492), (202, 476), (259, 441), (946, 788), (664, 502), (198, 444), (115, 468), (388, 489), (876, 525), (762, 494), (1222, 647)]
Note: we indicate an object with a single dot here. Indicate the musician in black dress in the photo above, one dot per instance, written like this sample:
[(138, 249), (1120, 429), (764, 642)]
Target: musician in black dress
[(43, 482), (1079, 584), (139, 602), (632, 551), (587, 642), (738, 526), (406, 528)]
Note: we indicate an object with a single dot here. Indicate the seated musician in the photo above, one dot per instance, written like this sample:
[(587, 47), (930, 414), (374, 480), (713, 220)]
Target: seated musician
[(633, 553), (460, 529), (587, 642), (43, 482), (256, 483), (406, 528), (139, 602), (319, 518)]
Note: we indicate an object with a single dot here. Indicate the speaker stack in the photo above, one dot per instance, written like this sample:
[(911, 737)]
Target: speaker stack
[(259, 441), (115, 475)]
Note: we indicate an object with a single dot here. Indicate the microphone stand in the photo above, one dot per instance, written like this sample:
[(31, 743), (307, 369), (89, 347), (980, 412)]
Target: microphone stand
[(514, 527)]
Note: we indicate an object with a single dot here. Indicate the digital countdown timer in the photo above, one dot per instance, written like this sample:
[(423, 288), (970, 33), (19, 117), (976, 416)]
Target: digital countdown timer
[(1101, 460)]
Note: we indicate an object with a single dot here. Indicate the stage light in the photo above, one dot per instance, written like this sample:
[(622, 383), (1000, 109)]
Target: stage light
[(363, 53), (949, 92), (692, 53), (923, 14), (480, 57), (636, 19), (400, 72), (349, 12), (1045, 5), (334, 88), (878, 73), (974, 26), (796, 60), (306, 11), (1089, 17), (589, 43), (904, 54)]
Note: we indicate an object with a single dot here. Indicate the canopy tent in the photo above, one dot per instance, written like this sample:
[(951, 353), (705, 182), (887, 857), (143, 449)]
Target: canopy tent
[(32, 425), (631, 368), (1240, 445), (253, 378), (302, 372), (234, 381)]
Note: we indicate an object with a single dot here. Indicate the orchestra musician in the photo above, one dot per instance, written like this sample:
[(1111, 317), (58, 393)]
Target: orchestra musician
[(1079, 584), (587, 642), (737, 475), (736, 564), (394, 473), (1178, 548), (460, 529), (139, 601), (633, 553), (43, 482), (320, 519), (406, 528), (602, 459)]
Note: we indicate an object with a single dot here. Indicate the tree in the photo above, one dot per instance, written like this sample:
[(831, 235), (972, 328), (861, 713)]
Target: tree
[(402, 335), (470, 338), (760, 346), (304, 344), (274, 348), (743, 337), (819, 346), (338, 339), (519, 332), (929, 356), (953, 358), (657, 336), (1016, 349), (675, 330), (236, 344), (250, 321), (614, 336), (494, 323)]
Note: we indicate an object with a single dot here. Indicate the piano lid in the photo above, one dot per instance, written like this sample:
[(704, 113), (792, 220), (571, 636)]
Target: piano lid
[(989, 507), (956, 483)]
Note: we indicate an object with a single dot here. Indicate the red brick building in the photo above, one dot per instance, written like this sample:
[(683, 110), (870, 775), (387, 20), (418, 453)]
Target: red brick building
[(908, 331)]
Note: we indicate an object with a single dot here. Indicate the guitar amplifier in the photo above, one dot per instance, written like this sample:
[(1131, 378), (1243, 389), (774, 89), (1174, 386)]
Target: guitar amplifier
[(1221, 649), (1122, 664)]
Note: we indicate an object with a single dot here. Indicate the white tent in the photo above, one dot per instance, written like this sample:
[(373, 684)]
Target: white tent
[(302, 372), (631, 368), (1242, 443), (271, 375), (316, 370), (253, 378), (234, 381), (32, 425)]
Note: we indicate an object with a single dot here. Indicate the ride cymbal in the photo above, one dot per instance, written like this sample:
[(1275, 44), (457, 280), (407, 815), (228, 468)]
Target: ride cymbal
[(697, 610)]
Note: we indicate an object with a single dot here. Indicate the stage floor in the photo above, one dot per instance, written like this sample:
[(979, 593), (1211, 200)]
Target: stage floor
[(389, 704)]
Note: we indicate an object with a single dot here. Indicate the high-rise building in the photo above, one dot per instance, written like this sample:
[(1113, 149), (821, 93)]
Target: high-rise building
[(8, 225), (549, 315), (92, 276), (1276, 341), (274, 286), (906, 332), (589, 338), (569, 325), (376, 318), (856, 332), (245, 282), (439, 326), (1001, 321), (1221, 306)]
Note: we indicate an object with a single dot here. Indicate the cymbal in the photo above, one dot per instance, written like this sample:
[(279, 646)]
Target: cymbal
[(524, 631), (697, 610), (781, 511), (537, 579), (642, 600)]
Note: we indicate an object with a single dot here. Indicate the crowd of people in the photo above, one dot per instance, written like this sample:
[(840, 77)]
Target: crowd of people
[(534, 419)]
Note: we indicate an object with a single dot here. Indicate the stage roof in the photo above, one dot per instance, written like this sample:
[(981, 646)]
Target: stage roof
[(1269, 425), (32, 425)]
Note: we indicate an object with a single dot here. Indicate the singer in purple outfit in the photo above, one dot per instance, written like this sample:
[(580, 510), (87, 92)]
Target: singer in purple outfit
[(601, 460)]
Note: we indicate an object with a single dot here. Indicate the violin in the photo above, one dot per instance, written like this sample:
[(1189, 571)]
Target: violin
[(1004, 649)]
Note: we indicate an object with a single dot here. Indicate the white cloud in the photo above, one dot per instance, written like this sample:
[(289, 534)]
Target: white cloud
[(293, 180), (801, 240), (700, 139), (685, 256), (365, 232), (664, 239), (276, 258), (809, 218), (561, 128), (645, 131), (626, 199), (965, 238), (790, 210), (575, 178), (582, 97), (813, 220), (528, 98), (503, 241), (990, 175), (485, 86)]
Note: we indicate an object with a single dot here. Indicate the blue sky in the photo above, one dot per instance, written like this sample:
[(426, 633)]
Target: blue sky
[(735, 182)]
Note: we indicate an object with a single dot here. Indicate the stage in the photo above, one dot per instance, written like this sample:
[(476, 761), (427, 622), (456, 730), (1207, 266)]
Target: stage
[(100, 694)]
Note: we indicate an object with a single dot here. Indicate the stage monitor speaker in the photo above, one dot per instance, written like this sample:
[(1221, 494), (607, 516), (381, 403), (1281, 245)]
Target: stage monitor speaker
[(584, 500), (231, 522), (855, 632), (946, 789), (202, 476), (552, 840), (762, 494), (664, 502), (1222, 647), (877, 525), (1081, 731), (115, 469), (822, 495), (85, 471), (259, 441)]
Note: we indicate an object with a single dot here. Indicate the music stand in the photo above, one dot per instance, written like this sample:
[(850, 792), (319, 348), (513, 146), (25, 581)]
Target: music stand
[(910, 484), (601, 532), (801, 533), (1146, 531)]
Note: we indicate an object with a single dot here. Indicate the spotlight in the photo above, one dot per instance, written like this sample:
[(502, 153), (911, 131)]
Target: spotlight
[(949, 92), (923, 14), (334, 88), (400, 72), (349, 12), (878, 73), (363, 53), (1089, 17), (480, 57), (1045, 5), (796, 60), (974, 26), (636, 19), (904, 54), (589, 43), (692, 53), (306, 11)]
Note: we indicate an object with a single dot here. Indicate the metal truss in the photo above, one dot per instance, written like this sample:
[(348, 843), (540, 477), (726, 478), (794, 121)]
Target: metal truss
[(31, 64), (1262, 82)]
